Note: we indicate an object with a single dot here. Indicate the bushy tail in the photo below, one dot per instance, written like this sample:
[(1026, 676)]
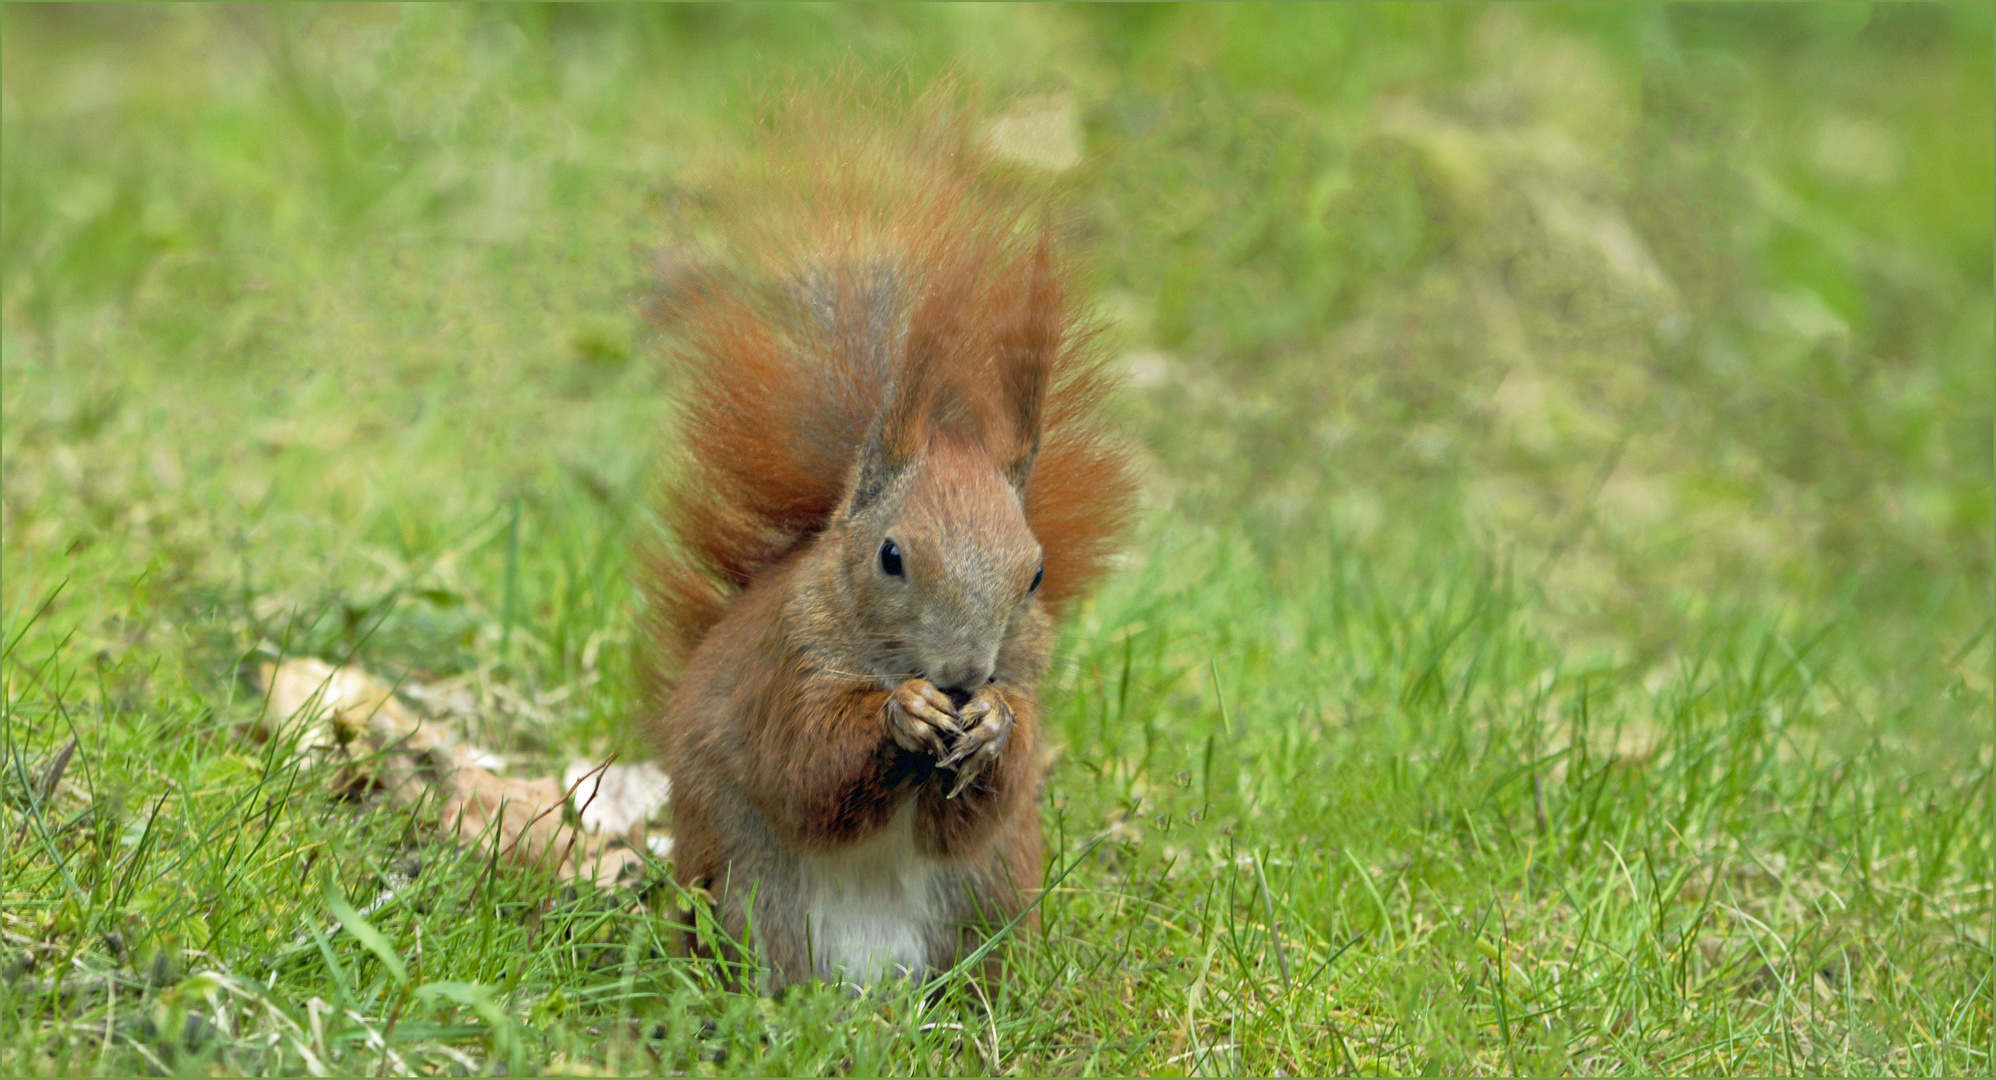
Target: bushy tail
[(844, 255)]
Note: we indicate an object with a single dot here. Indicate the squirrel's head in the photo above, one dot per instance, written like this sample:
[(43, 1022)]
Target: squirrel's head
[(938, 568), (939, 562)]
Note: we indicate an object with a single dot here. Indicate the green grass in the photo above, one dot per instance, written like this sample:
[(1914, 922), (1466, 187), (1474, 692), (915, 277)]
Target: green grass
[(1558, 639)]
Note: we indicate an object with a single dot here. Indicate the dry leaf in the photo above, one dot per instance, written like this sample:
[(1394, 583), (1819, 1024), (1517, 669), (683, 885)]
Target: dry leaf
[(614, 799), (348, 712)]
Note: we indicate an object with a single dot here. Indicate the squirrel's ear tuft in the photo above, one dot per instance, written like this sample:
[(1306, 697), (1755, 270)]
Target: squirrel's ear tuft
[(1028, 341), (895, 441)]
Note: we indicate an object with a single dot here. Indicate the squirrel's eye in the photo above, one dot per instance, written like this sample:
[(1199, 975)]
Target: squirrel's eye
[(890, 559), (1037, 575)]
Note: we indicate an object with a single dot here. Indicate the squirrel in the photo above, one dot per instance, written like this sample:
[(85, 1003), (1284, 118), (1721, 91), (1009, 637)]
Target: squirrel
[(892, 476)]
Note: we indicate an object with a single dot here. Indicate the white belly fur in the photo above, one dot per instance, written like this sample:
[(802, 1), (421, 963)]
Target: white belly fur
[(870, 908)]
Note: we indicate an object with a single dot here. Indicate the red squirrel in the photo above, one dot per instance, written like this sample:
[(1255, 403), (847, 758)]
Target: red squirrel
[(892, 476)]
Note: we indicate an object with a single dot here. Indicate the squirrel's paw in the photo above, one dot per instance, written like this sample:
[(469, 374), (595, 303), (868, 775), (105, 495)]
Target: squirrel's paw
[(919, 716), (987, 725)]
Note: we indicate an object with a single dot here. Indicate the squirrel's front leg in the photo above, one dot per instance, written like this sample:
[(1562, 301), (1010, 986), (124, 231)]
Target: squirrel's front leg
[(829, 764), (993, 761)]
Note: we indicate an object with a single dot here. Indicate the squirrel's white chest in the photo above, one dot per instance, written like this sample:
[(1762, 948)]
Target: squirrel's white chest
[(871, 909)]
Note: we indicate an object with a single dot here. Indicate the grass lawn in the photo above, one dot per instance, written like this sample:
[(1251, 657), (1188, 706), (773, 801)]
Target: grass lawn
[(1558, 638)]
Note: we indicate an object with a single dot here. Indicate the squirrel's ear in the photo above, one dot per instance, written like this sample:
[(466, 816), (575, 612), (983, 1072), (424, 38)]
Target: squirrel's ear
[(1027, 344), (901, 428), (898, 433)]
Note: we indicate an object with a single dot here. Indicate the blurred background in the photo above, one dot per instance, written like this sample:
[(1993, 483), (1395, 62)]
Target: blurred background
[(317, 317)]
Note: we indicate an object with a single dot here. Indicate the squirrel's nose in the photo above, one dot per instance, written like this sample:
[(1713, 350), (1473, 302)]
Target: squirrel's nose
[(962, 668), (961, 683)]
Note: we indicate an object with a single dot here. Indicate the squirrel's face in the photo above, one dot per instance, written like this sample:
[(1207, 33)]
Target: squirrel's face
[(941, 570)]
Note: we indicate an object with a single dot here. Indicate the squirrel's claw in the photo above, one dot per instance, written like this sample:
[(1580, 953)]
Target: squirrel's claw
[(974, 766), (987, 726), (917, 716)]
